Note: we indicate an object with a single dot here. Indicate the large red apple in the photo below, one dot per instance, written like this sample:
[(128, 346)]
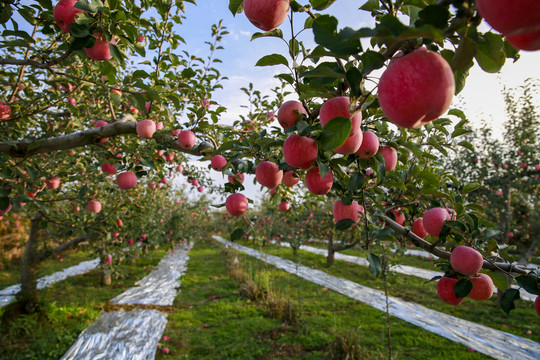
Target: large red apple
[(434, 219), (369, 146), (418, 228), (266, 14), (511, 17), (94, 206), (466, 260), (5, 111), (289, 179), (126, 180), (101, 50), (64, 14), (352, 211), (218, 162), (390, 157), (529, 41), (288, 113), (186, 139), (445, 289), (53, 183), (236, 204), (399, 216), (239, 178), (268, 174), (482, 287), (340, 106), (351, 145), (416, 88), (300, 151), (146, 128), (316, 184)]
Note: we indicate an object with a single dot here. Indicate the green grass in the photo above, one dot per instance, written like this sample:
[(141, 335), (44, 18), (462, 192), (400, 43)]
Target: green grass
[(11, 275), (411, 288), (69, 307), (231, 326)]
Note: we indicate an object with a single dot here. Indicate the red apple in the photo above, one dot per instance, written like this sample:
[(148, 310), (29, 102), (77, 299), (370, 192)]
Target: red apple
[(317, 184), (140, 38), (434, 219), (146, 128), (404, 87), (5, 111), (351, 145), (390, 157), (236, 178), (352, 211), (529, 41), (186, 139), (200, 189), (482, 287), (218, 162), (418, 228), (266, 14), (159, 125), (537, 305), (64, 14), (289, 179), (101, 50), (268, 174), (300, 151), (369, 146), (119, 222), (53, 183), (466, 260), (511, 17), (340, 106), (288, 113), (5, 211), (236, 204), (108, 168), (94, 206), (445, 289), (126, 180), (284, 206)]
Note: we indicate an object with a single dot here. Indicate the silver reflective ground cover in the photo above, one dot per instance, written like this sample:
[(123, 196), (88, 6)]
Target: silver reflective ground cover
[(7, 295), (401, 269), (134, 335), (120, 335), (494, 343)]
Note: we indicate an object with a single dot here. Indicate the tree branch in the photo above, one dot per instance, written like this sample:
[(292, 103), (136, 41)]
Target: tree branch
[(65, 246), (84, 138), (421, 243), (35, 64)]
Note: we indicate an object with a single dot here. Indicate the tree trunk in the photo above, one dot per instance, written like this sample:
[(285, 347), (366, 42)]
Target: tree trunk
[(106, 278), (506, 215), (331, 251), (28, 297)]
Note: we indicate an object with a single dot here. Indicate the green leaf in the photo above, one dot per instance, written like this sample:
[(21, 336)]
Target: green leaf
[(435, 15), (470, 187), (274, 33), (79, 31), (356, 181), (466, 145), (499, 280), (375, 266), (370, 5), (371, 60), (237, 234), (335, 133), (273, 59), (236, 6), (83, 192), (490, 55), (354, 78), (507, 300), (323, 168), (325, 70), (462, 288), (344, 224), (321, 4), (491, 232), (529, 283), (383, 233), (344, 43), (462, 60)]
